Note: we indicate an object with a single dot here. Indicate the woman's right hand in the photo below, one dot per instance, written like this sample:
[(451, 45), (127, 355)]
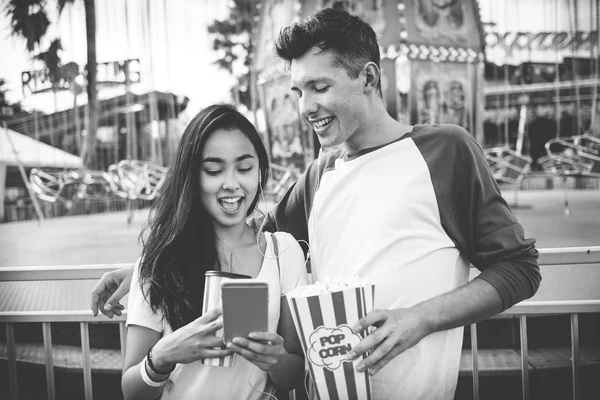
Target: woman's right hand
[(190, 343)]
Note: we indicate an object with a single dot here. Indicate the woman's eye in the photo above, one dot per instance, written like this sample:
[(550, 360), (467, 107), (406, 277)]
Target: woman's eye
[(244, 170), (321, 90), (212, 172)]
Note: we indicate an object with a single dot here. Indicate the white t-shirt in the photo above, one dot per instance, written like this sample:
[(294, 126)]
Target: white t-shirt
[(198, 381)]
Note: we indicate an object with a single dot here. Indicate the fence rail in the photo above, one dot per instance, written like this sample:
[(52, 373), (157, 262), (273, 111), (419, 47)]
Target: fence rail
[(548, 257), (25, 212)]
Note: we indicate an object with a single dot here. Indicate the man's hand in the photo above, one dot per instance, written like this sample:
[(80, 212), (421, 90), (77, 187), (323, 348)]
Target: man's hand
[(397, 331), (400, 329), (109, 290)]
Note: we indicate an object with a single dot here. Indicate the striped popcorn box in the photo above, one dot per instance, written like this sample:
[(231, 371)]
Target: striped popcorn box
[(212, 299), (323, 322)]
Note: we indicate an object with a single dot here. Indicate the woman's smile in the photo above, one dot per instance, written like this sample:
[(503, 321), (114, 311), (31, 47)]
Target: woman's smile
[(231, 205)]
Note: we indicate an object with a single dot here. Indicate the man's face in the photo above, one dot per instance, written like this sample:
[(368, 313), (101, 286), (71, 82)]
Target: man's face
[(329, 100)]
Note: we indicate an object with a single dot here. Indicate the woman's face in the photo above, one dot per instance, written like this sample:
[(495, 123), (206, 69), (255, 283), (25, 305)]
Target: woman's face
[(229, 177)]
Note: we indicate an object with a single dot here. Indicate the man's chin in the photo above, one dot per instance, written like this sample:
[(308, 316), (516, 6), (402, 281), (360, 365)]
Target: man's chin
[(328, 144)]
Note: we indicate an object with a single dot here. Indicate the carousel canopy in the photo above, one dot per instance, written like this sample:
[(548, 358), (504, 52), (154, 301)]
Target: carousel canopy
[(33, 153)]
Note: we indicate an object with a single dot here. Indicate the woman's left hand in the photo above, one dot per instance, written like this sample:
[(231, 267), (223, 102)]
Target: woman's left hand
[(263, 349)]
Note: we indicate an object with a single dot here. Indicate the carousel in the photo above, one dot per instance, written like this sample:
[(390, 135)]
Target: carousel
[(442, 64)]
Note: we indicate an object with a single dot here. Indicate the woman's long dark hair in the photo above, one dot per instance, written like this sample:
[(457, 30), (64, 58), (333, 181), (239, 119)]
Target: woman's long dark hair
[(181, 244)]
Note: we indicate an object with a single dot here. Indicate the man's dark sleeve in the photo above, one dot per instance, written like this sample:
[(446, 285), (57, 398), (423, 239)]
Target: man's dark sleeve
[(476, 216), (293, 210)]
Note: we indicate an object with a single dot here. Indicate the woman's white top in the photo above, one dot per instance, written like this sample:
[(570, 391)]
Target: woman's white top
[(197, 381)]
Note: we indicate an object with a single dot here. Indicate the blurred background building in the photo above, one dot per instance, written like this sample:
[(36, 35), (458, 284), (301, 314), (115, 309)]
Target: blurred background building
[(109, 81), (95, 95)]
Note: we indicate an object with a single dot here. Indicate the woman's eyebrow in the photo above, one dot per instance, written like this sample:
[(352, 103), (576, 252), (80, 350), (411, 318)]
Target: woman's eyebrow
[(220, 160)]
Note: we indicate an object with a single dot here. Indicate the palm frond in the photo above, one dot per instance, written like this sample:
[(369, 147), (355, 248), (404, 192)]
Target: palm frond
[(28, 19), (62, 4), (52, 61)]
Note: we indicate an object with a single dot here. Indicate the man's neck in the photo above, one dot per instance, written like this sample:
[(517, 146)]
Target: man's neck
[(379, 129)]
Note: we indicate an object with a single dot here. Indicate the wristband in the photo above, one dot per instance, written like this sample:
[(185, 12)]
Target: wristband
[(146, 378), (153, 368)]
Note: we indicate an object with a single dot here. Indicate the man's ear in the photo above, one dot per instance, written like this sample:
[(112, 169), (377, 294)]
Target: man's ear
[(372, 76)]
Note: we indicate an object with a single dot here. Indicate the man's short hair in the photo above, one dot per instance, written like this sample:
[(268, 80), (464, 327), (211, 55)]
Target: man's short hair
[(351, 40)]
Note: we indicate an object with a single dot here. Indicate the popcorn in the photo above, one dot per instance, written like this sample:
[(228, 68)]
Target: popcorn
[(328, 285), (323, 313)]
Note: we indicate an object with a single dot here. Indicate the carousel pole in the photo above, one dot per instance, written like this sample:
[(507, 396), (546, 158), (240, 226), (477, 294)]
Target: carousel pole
[(171, 114), (131, 140), (34, 200), (252, 73), (595, 58), (575, 65)]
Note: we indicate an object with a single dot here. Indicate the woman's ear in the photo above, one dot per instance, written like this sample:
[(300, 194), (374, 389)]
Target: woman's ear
[(372, 76)]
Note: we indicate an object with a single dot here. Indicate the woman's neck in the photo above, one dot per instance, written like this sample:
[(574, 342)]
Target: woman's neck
[(238, 251), (234, 236)]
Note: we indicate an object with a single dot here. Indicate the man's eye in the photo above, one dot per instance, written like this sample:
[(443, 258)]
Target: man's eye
[(321, 90)]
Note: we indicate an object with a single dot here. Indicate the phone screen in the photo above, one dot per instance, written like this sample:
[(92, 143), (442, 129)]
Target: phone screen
[(245, 308)]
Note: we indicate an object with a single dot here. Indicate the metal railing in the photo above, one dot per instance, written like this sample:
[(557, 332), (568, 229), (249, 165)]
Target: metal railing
[(46, 318), (26, 211), (548, 257)]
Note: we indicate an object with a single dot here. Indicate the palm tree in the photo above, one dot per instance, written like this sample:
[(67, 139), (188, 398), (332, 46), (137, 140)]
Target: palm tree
[(58, 74), (29, 19), (16, 107), (3, 90), (233, 36)]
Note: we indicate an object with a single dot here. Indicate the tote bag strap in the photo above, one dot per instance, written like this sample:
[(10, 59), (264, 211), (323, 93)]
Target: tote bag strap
[(276, 251)]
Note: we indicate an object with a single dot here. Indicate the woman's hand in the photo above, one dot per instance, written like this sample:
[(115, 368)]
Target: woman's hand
[(109, 290), (190, 343), (263, 349)]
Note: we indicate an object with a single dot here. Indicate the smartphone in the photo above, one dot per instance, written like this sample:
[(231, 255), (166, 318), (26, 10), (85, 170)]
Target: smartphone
[(245, 307)]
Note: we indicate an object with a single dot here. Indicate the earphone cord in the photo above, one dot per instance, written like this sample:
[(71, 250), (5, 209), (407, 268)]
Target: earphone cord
[(265, 217), (255, 389), (308, 385)]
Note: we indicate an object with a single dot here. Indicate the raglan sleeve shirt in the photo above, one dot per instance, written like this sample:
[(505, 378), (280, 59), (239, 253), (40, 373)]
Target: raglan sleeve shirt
[(475, 215), (472, 210)]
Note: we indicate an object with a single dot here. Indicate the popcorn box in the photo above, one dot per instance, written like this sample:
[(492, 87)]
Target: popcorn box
[(323, 322), (212, 299)]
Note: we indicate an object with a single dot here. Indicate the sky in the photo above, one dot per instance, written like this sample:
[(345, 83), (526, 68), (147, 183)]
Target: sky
[(172, 43), (175, 50)]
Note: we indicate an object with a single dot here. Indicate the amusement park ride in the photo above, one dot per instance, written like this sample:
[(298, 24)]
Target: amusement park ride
[(434, 60), (561, 87), (128, 179)]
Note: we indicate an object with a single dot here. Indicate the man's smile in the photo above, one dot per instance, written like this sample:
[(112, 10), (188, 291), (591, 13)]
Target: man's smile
[(322, 123)]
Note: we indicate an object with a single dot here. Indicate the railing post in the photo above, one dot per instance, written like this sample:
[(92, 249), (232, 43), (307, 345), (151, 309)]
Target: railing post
[(575, 354), (123, 338), (524, 356), (474, 355), (12, 361), (87, 363), (49, 360)]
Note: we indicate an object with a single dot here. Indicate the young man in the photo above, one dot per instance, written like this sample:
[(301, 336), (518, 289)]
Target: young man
[(405, 207)]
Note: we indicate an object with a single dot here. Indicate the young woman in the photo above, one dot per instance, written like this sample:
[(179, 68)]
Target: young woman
[(199, 224)]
